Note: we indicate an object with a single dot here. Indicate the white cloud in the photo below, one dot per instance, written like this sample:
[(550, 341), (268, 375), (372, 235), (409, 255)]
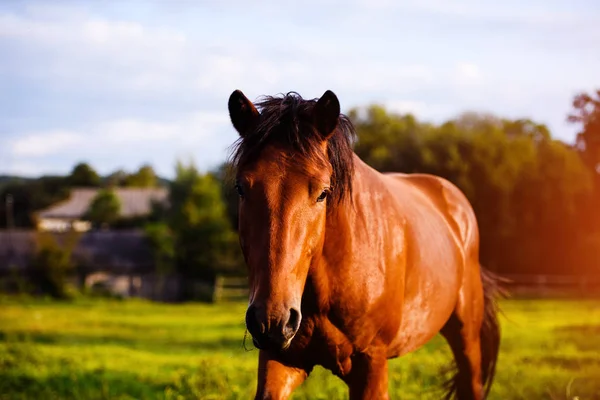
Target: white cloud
[(421, 109), (124, 57), (134, 87), (39, 144), (30, 169), (201, 135), (407, 106), (93, 53), (109, 135), (468, 74), (531, 13)]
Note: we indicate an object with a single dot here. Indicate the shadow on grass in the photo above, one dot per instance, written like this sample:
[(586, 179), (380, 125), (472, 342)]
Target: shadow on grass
[(583, 337), (164, 344), (99, 384)]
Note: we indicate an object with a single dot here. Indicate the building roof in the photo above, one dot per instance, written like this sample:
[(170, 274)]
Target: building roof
[(134, 202)]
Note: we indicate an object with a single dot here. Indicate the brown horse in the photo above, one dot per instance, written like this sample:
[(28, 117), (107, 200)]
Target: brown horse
[(349, 267)]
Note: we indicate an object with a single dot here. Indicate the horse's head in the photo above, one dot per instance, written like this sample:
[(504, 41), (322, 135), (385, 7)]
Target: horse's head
[(292, 159)]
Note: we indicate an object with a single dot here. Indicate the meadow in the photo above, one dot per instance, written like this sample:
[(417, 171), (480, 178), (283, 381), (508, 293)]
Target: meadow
[(134, 349)]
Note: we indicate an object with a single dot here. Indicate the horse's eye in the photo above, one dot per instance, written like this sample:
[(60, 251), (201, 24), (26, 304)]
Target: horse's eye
[(322, 196), (239, 189)]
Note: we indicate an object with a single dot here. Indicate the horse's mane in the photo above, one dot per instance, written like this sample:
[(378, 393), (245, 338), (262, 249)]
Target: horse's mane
[(287, 121)]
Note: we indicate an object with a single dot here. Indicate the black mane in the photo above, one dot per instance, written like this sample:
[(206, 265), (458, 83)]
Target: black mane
[(288, 120)]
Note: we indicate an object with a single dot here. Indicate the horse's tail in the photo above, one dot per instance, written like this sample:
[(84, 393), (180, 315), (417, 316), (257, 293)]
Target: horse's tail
[(489, 334)]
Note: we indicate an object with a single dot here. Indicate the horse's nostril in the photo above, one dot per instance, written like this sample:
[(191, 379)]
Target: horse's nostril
[(252, 322), (294, 322)]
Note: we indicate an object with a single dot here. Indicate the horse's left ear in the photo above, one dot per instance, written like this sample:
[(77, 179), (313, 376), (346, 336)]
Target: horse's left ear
[(327, 114), (242, 112)]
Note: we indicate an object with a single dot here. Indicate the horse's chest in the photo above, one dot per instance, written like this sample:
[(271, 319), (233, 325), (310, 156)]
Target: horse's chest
[(333, 347)]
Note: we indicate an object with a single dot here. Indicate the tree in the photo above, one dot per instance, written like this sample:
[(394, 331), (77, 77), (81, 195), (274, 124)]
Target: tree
[(224, 175), (104, 208), (115, 179), (586, 111), (530, 193), (30, 196), (145, 177), (52, 264), (205, 244), (83, 175)]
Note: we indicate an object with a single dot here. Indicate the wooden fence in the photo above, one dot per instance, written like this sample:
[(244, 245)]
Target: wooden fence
[(537, 284), (229, 288)]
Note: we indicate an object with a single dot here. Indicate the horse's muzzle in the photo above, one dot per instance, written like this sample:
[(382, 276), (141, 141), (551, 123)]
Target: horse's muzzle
[(272, 334)]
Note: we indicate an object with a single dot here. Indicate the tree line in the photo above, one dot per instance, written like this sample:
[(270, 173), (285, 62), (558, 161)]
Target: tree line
[(30, 195), (536, 198)]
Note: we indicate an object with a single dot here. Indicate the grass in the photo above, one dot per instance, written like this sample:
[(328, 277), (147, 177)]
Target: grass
[(101, 349)]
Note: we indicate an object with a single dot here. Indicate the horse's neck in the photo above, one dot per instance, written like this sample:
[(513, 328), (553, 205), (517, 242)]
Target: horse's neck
[(348, 226)]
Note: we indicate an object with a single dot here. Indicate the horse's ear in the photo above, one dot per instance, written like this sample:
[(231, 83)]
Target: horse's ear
[(242, 112), (327, 114)]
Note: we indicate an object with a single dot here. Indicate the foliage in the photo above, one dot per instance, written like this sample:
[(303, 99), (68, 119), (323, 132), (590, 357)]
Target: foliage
[(137, 349), (193, 232), (224, 175), (527, 189), (205, 240), (162, 241), (145, 177), (30, 196), (104, 208), (115, 179), (535, 197), (586, 112), (83, 175), (52, 264)]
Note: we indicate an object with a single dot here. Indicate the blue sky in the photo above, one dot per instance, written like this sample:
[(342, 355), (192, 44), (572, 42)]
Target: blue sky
[(122, 83)]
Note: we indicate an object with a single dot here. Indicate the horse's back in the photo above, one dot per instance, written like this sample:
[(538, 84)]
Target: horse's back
[(447, 199), (441, 230)]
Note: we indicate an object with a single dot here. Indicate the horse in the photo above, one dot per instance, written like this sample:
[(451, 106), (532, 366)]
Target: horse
[(349, 267)]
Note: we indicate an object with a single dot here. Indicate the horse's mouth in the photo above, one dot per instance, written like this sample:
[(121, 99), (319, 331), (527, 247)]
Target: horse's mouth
[(272, 345)]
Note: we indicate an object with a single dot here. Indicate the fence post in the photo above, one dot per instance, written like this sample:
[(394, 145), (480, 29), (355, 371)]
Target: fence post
[(218, 290)]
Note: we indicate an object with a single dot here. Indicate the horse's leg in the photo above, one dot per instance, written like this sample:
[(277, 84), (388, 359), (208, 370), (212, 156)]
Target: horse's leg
[(462, 333), (368, 378), (276, 380)]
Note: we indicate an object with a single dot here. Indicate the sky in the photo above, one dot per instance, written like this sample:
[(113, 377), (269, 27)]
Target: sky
[(123, 83)]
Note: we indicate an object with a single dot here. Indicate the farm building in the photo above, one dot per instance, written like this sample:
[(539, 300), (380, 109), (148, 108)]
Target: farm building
[(69, 214)]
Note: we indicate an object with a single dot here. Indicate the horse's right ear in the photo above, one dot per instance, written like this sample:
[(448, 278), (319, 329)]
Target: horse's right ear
[(242, 112)]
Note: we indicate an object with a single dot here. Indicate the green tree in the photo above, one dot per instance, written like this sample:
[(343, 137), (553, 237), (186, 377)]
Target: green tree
[(115, 179), (30, 196), (586, 112), (84, 175), (145, 177), (52, 264), (528, 190), (162, 241), (104, 208), (224, 175), (205, 243)]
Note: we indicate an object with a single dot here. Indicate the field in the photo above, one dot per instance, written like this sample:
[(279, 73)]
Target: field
[(100, 349)]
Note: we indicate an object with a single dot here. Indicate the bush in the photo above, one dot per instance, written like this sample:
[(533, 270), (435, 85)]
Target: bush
[(52, 265), (104, 209)]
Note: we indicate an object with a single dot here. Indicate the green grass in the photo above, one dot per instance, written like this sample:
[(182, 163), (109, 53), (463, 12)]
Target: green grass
[(92, 349)]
